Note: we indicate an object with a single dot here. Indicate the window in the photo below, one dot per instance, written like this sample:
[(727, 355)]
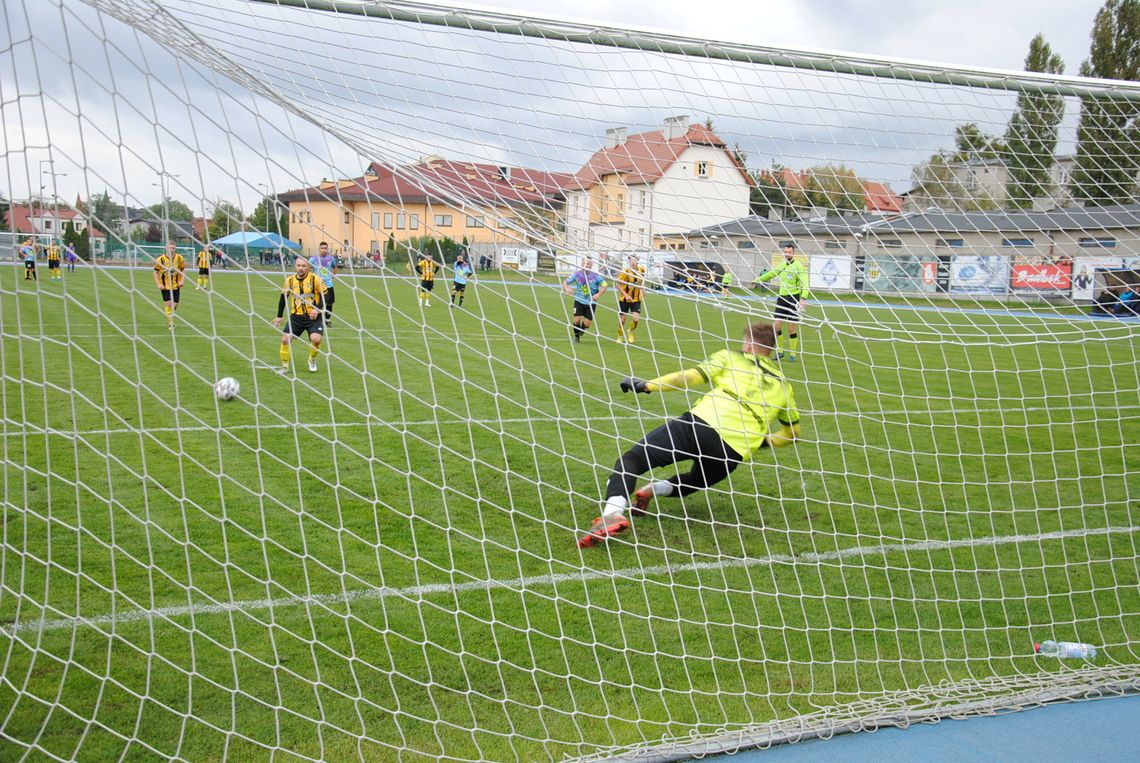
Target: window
[(1020, 243), (401, 221), (954, 242), (1097, 243), (704, 169), (375, 219), (443, 221), (641, 200), (787, 243), (346, 247), (388, 220), (47, 224), (835, 245), (474, 222), (413, 222), (619, 204), (374, 246), (890, 243), (309, 216), (347, 217)]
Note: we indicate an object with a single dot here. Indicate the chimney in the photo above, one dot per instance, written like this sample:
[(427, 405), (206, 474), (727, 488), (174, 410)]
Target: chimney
[(615, 136), (675, 127)]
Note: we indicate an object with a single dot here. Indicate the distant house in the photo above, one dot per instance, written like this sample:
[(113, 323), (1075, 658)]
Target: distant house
[(639, 190), (43, 217), (437, 197)]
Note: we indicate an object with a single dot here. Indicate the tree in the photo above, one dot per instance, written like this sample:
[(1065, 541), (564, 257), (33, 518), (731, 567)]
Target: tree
[(770, 194), (153, 234), (176, 210), (1108, 135), (972, 143), (226, 219), (1031, 138), (78, 240), (938, 183), (834, 188), (262, 217), (104, 215), (5, 205)]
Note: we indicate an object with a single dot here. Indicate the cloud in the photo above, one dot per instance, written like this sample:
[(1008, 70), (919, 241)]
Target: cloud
[(119, 107)]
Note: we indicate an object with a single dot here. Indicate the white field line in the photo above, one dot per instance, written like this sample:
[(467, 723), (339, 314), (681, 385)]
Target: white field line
[(20, 429), (628, 575)]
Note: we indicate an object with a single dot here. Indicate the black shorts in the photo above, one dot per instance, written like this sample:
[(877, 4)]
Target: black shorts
[(456, 286), (29, 264), (584, 311), (788, 308), (203, 271), (299, 324), (427, 285), (629, 307), (170, 295), (53, 264)]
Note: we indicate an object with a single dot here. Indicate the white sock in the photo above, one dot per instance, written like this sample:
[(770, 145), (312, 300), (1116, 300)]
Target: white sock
[(615, 506), (661, 487)]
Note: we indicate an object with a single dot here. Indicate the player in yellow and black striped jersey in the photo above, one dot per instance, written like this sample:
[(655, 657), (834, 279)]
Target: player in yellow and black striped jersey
[(426, 267), (169, 273), (304, 296), (204, 266), (53, 260), (631, 290)]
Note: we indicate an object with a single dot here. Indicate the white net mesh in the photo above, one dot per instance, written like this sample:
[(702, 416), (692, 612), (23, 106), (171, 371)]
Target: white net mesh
[(378, 559)]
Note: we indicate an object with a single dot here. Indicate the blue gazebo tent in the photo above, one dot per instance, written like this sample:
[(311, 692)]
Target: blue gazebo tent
[(256, 240)]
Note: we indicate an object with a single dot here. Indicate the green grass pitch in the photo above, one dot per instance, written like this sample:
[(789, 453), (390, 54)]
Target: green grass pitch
[(302, 573)]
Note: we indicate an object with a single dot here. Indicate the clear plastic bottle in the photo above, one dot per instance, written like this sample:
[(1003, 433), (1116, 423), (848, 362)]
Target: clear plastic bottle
[(1066, 650)]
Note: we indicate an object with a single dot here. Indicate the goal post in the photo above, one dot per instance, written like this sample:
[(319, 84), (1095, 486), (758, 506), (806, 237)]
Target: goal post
[(377, 545)]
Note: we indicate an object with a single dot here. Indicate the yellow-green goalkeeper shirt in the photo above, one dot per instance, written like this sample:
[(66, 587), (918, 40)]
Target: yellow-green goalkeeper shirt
[(749, 394), (793, 278)]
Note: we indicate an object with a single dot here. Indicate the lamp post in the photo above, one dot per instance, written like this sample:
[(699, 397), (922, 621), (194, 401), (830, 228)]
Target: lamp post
[(161, 184), (54, 195)]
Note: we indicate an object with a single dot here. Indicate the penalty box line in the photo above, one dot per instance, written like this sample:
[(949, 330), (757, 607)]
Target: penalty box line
[(521, 584), (24, 428)]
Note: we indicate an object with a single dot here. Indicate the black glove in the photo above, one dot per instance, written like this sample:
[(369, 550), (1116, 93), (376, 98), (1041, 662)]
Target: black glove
[(633, 384)]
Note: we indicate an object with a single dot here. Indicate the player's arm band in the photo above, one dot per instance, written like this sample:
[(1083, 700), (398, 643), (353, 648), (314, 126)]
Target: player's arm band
[(680, 380), (281, 306)]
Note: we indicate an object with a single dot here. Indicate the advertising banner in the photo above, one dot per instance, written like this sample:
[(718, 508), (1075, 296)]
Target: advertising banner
[(1053, 277), (979, 274), (830, 271), (528, 260), (1084, 274), (509, 258), (902, 273)]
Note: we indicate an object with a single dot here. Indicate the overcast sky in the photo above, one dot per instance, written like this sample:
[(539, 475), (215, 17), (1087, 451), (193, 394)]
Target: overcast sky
[(118, 112)]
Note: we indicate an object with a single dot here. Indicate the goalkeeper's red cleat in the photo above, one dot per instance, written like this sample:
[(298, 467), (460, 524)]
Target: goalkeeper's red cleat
[(602, 529), (639, 506)]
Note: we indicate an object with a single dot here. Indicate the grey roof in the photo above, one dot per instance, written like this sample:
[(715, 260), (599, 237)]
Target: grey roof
[(936, 221)]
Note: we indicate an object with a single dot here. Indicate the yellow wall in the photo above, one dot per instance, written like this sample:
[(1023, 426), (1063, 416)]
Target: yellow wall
[(327, 224)]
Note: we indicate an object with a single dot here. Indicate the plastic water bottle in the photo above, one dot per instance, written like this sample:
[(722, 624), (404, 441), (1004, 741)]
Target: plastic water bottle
[(1066, 650)]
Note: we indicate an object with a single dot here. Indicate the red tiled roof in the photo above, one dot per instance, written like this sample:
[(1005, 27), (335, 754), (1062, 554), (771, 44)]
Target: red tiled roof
[(444, 180), (880, 198), (645, 157), (20, 217)]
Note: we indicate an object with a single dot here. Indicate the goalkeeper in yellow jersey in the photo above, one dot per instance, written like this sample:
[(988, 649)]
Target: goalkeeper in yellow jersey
[(750, 406)]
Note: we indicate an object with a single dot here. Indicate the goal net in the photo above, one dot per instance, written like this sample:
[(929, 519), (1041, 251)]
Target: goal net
[(374, 550)]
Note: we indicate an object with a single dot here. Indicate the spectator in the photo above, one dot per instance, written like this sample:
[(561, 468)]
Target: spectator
[(1106, 303), (1129, 305)]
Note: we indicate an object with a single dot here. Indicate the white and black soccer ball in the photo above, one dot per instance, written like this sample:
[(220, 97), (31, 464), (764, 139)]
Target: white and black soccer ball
[(227, 388)]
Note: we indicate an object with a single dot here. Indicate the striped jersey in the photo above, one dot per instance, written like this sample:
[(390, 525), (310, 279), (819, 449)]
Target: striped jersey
[(169, 270), (631, 283), (427, 267), (304, 294)]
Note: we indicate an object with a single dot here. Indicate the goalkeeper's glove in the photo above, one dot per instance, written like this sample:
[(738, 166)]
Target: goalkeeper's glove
[(633, 384)]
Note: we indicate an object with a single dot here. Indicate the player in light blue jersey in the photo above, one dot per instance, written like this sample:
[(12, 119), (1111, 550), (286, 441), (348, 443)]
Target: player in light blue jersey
[(463, 271), (585, 286), (324, 265)]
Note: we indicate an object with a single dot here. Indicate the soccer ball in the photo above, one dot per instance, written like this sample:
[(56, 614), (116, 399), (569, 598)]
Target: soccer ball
[(227, 388)]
